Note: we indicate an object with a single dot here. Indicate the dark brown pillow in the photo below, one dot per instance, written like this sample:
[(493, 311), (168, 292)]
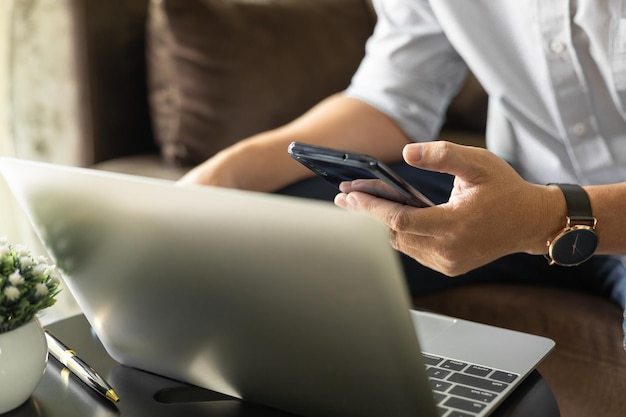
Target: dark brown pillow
[(222, 70)]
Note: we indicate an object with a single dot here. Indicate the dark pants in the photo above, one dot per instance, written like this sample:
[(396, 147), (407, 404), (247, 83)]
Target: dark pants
[(601, 275)]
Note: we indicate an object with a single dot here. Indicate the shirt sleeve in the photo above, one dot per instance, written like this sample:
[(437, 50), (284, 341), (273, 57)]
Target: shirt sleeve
[(410, 71)]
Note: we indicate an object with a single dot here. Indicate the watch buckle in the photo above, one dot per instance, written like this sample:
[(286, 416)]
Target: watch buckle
[(581, 221)]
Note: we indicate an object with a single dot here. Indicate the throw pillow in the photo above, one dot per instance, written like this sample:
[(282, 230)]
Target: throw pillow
[(222, 70)]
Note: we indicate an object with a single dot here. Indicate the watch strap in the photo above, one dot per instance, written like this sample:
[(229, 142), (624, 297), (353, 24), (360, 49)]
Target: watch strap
[(578, 204)]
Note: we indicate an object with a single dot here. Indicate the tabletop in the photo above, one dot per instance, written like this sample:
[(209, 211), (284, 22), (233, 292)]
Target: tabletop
[(145, 394)]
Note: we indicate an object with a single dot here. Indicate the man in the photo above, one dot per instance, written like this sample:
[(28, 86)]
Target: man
[(555, 72)]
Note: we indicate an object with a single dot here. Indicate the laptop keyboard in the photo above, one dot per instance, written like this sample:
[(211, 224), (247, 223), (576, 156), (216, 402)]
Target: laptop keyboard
[(463, 389)]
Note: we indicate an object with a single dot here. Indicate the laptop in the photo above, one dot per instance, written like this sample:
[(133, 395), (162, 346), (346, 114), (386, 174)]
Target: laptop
[(290, 303)]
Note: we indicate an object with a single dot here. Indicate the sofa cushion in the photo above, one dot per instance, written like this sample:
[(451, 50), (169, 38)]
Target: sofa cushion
[(221, 70)]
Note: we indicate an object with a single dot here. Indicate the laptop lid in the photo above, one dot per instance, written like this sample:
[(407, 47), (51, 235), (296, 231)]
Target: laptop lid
[(285, 302)]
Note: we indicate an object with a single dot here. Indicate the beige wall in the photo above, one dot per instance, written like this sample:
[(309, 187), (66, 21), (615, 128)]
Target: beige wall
[(5, 6), (13, 223), (4, 12), (7, 209)]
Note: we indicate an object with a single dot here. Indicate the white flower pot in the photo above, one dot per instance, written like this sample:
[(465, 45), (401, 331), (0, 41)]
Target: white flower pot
[(23, 358)]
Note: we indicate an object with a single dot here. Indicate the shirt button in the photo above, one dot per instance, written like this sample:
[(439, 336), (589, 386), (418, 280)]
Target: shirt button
[(413, 108), (557, 47), (579, 129)]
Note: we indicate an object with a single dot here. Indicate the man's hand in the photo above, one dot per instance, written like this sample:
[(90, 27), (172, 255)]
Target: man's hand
[(491, 212)]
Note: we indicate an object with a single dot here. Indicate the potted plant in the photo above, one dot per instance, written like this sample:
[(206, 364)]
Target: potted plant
[(27, 286)]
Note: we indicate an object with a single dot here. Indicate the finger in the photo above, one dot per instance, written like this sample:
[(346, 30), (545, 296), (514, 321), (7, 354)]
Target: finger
[(445, 255), (404, 241), (425, 241), (466, 162), (397, 217)]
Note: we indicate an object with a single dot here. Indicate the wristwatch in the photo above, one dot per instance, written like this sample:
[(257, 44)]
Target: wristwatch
[(578, 241)]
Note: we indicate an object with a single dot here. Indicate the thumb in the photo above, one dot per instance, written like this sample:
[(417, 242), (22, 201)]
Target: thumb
[(463, 161)]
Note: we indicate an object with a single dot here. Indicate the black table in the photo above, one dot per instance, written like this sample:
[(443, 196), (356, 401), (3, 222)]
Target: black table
[(144, 394)]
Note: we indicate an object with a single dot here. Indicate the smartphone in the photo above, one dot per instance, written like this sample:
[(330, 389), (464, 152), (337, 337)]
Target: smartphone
[(352, 171)]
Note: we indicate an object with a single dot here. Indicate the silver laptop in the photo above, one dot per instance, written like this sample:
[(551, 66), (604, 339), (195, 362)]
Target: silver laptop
[(286, 302)]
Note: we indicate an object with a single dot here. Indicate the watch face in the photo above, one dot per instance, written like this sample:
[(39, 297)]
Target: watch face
[(574, 246)]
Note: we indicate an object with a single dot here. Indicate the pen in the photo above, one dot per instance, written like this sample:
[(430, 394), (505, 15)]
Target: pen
[(79, 368)]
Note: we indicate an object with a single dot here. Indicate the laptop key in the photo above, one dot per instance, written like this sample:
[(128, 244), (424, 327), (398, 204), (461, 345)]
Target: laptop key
[(504, 376), (431, 359), (477, 382), (458, 414), (465, 405), (437, 373), (442, 411), (478, 370), (453, 365), (439, 397), (473, 393), (439, 386)]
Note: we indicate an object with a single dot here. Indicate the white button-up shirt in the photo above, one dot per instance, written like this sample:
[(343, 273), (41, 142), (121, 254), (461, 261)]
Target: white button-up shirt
[(555, 72)]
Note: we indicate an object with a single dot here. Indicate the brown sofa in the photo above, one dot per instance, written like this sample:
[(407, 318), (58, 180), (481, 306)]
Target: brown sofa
[(219, 70)]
